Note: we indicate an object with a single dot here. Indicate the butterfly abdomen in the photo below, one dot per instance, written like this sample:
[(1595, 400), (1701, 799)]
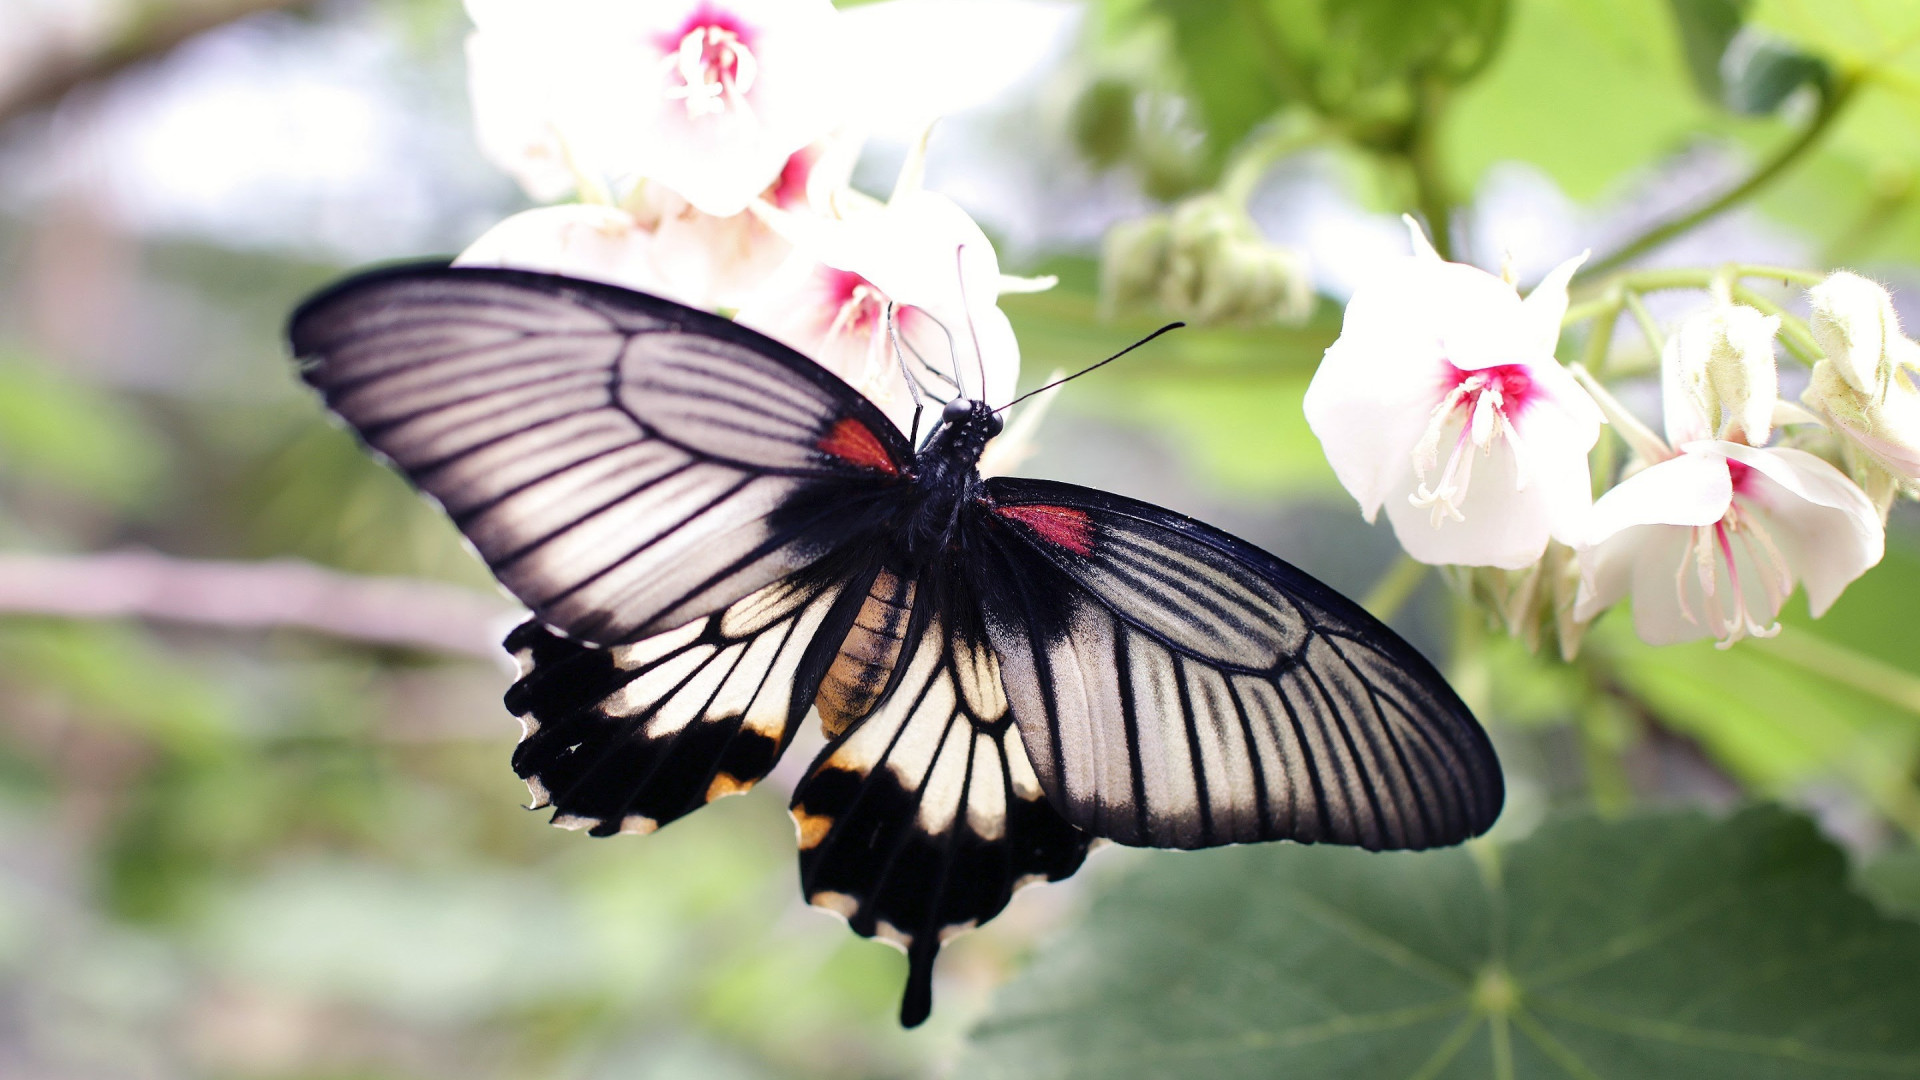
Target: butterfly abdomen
[(867, 656)]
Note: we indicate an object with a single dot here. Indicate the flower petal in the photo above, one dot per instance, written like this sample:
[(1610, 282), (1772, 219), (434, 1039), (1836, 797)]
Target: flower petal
[(1422, 246), (1556, 433), (1368, 403), (1835, 526), (1606, 570), (1502, 525), (1666, 588), (1685, 422), (1546, 305), (600, 243), (1689, 490)]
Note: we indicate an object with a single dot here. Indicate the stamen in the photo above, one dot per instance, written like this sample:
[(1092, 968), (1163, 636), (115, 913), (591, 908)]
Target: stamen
[(1426, 452), (716, 69), (1680, 577), (1484, 398), (1446, 496), (1486, 416)]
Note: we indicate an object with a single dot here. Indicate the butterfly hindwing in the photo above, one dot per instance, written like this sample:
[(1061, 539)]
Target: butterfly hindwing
[(1177, 687), (624, 464), (923, 818), (629, 738)]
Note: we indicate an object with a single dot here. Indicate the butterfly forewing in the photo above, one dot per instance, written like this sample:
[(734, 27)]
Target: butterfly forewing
[(624, 464), (1177, 687)]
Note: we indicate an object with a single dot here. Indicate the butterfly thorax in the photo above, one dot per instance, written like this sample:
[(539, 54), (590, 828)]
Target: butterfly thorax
[(947, 474)]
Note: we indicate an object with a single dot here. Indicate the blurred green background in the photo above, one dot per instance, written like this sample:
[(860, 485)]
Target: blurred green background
[(246, 851)]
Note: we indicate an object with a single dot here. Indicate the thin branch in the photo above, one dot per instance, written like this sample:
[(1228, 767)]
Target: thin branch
[(148, 34), (1429, 176), (248, 596), (1793, 332), (1831, 106)]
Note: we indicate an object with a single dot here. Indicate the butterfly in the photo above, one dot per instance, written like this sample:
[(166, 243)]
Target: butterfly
[(717, 537)]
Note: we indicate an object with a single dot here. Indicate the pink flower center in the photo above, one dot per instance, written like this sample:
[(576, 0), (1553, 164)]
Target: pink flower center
[(1509, 383), (1485, 403), (857, 306), (1741, 474), (711, 58), (1719, 555), (791, 189)]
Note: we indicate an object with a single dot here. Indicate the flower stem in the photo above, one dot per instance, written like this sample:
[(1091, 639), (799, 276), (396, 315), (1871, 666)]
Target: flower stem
[(1395, 587), (1831, 107), (1258, 154), (1648, 327), (1793, 333), (1600, 338), (1785, 275), (1429, 178)]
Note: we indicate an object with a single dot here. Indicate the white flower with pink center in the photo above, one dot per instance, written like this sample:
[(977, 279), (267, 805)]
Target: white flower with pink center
[(709, 97), (658, 243), (1712, 536), (1442, 402), (926, 258), (840, 320)]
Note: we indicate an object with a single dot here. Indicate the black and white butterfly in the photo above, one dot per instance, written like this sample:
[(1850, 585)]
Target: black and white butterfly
[(715, 536)]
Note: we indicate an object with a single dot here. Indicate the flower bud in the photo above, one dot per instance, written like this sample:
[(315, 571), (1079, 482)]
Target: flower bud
[(1853, 322), (1535, 604), (1208, 263), (1868, 385), (1727, 367), (1133, 259)]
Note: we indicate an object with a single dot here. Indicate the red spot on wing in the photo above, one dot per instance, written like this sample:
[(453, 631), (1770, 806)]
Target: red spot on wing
[(1061, 526), (853, 442)]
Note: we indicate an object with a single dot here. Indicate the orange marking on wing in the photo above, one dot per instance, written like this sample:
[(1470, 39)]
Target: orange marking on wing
[(852, 442), (1061, 526)]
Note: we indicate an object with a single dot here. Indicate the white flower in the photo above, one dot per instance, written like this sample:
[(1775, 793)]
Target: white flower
[(1868, 385), (709, 97), (1712, 536), (657, 243), (923, 255), (1442, 401), (600, 243)]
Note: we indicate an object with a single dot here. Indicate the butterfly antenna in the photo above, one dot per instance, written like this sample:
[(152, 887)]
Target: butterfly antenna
[(953, 350), (900, 349), (893, 334), (1092, 367), (979, 357)]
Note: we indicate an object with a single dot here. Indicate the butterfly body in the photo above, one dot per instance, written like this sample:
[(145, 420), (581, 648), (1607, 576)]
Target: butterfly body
[(717, 537)]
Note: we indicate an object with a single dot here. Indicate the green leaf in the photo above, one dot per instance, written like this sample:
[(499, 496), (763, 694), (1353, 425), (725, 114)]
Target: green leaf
[(1665, 946), (1707, 27), (1894, 882), (1354, 60), (1238, 72), (1767, 71)]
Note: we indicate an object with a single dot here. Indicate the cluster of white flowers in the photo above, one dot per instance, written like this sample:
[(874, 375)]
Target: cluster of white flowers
[(708, 147), (1442, 401)]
